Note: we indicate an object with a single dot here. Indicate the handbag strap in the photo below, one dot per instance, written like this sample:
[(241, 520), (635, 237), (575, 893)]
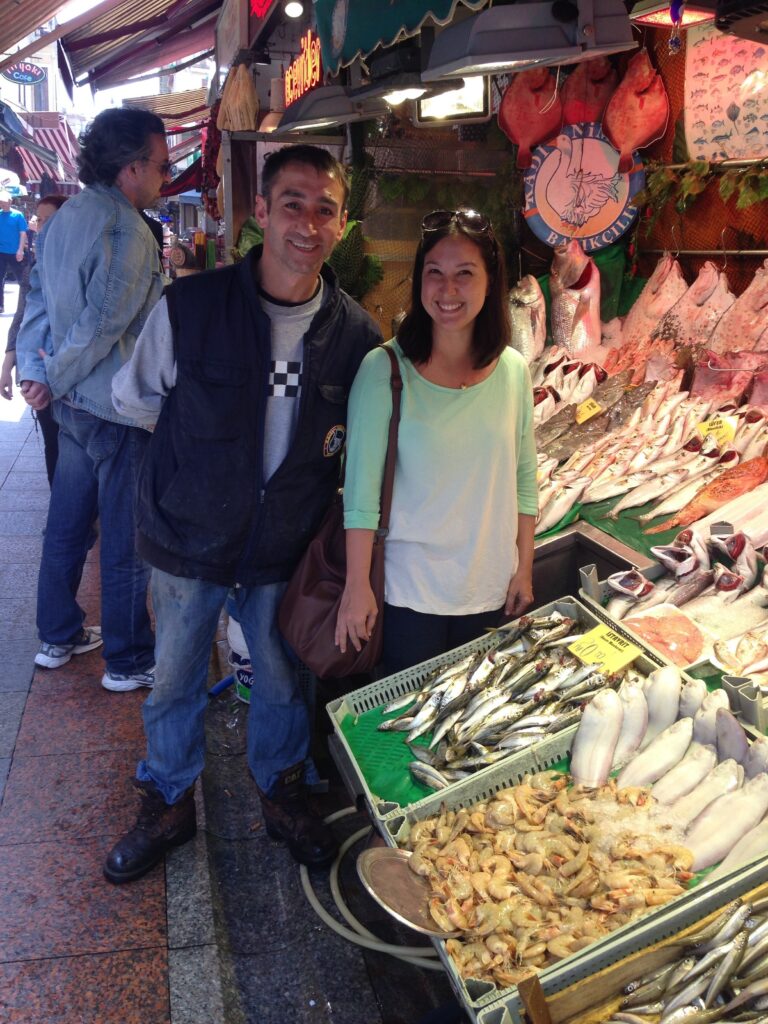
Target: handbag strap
[(388, 481)]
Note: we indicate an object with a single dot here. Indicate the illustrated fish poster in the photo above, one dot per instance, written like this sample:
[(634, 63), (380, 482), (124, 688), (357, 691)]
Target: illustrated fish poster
[(726, 100)]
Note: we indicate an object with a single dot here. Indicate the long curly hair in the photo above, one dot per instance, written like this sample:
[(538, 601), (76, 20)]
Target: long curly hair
[(114, 139)]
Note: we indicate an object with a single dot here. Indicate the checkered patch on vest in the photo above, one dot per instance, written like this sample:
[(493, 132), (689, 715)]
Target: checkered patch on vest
[(284, 379)]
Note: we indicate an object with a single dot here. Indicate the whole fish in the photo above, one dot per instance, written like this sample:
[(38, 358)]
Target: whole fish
[(679, 559), (663, 696), (428, 775), (720, 826), (728, 585), (756, 760), (658, 757), (698, 761), (690, 587), (596, 738), (574, 282), (649, 490), (662, 290), (731, 738), (527, 313), (690, 487), (634, 723), (561, 504), (727, 776), (751, 846), (692, 695), (724, 488), (638, 110)]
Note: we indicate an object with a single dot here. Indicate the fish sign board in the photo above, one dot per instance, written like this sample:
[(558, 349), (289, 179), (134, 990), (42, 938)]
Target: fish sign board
[(574, 189), (604, 647), (25, 73)]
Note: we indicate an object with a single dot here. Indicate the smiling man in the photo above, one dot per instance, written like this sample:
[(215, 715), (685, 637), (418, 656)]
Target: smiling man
[(95, 280), (244, 373)]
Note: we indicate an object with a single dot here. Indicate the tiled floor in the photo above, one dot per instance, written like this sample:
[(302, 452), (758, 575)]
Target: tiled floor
[(222, 933)]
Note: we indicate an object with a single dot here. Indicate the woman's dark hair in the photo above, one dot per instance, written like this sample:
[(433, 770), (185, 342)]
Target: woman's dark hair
[(114, 139), (491, 330), (322, 161), (53, 200)]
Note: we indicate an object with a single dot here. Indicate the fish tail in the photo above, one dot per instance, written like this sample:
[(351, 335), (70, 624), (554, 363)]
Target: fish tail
[(524, 158), (666, 524), (626, 162)]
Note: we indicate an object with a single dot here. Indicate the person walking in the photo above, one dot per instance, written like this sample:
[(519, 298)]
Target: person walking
[(13, 244), (244, 373), (91, 290), (459, 551)]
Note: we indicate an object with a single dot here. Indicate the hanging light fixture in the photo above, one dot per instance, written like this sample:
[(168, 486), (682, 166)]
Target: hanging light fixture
[(294, 9), (520, 35), (327, 107)]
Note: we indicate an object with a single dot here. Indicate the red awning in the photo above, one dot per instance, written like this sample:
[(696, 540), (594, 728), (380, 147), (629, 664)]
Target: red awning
[(191, 178), (52, 130)]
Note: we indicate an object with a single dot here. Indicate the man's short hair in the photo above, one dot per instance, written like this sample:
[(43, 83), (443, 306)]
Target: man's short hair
[(114, 139), (5, 197), (322, 161)]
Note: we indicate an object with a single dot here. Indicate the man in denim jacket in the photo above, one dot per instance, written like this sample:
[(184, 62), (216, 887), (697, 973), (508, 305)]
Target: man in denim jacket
[(95, 281)]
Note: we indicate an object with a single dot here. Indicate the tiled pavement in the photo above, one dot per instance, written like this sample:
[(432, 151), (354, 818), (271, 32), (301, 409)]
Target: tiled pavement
[(222, 933)]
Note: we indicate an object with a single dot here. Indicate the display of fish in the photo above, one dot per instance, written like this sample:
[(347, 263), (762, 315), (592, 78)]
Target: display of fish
[(528, 317), (746, 319), (726, 820), (587, 91), (596, 739), (712, 466), (530, 111), (561, 503), (662, 290), (692, 319), (574, 282), (649, 490), (638, 111), (722, 489)]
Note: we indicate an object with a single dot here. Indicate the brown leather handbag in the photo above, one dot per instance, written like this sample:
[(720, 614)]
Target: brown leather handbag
[(310, 605)]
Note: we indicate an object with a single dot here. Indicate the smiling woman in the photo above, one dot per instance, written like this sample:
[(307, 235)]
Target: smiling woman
[(459, 551)]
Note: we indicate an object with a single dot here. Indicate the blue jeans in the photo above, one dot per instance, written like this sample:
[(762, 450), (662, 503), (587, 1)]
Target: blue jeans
[(96, 475), (186, 616)]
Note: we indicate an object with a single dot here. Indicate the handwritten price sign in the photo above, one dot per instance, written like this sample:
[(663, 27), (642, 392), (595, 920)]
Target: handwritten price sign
[(722, 428), (604, 647), (587, 410)]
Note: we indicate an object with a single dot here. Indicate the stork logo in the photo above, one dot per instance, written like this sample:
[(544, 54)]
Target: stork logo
[(574, 189), (24, 73)]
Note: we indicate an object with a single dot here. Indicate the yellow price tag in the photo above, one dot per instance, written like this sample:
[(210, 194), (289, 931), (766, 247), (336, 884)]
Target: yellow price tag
[(722, 428), (604, 647), (588, 408)]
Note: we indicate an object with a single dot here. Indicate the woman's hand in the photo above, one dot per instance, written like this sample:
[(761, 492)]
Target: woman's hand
[(6, 375), (357, 616), (519, 594)]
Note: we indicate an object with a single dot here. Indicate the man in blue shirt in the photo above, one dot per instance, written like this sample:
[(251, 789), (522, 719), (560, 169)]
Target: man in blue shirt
[(91, 290), (13, 243)]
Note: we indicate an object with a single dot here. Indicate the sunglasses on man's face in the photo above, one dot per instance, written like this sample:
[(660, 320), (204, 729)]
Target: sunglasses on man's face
[(470, 220), (164, 166)]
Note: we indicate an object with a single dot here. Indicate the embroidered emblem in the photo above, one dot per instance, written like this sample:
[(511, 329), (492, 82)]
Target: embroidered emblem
[(334, 440)]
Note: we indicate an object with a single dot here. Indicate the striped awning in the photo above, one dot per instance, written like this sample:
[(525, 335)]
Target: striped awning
[(52, 131), (175, 107)]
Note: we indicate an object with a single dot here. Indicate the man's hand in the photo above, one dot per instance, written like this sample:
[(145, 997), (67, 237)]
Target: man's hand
[(6, 375), (20, 256), (36, 395)]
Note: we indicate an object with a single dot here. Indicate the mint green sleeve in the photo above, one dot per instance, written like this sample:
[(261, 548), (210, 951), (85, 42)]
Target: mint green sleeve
[(527, 489), (370, 408)]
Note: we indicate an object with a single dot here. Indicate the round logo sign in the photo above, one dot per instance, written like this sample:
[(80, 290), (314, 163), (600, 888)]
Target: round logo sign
[(24, 73), (573, 189)]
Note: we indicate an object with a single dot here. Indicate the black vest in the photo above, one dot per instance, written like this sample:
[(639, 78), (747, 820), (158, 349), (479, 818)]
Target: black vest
[(204, 510)]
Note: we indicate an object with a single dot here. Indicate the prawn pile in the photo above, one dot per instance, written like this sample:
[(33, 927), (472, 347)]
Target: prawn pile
[(542, 870), (485, 707), (719, 974)]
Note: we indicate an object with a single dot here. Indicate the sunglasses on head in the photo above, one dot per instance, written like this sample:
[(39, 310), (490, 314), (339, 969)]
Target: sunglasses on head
[(470, 220)]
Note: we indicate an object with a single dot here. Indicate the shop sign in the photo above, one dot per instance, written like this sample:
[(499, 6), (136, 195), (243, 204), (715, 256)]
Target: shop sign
[(25, 73), (304, 73), (573, 189), (607, 649), (260, 7)]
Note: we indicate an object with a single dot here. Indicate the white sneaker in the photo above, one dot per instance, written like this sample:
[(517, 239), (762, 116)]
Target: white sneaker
[(118, 683), (56, 655)]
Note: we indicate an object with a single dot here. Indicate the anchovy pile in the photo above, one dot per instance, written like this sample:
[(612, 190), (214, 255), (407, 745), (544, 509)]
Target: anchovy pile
[(488, 706), (720, 975)]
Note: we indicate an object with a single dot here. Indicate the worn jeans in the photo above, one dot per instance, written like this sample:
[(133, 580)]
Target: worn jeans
[(96, 475), (186, 614)]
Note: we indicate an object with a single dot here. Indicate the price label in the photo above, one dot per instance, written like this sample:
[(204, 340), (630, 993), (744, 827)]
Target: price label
[(722, 428), (604, 647), (587, 410)]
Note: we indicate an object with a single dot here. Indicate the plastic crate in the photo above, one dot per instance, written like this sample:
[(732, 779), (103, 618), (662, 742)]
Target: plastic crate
[(490, 1005), (376, 695), (664, 923)]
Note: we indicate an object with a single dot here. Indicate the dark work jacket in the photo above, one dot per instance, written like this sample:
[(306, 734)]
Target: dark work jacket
[(204, 509)]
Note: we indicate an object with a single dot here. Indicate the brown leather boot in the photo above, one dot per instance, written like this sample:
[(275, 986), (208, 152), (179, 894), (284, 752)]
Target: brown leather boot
[(159, 827), (288, 816)]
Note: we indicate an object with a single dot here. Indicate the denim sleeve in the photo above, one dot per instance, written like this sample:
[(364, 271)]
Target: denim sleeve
[(34, 333), (139, 388), (119, 279)]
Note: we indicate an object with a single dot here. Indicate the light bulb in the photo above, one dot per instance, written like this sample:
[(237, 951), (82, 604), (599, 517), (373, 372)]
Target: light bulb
[(401, 95), (294, 9)]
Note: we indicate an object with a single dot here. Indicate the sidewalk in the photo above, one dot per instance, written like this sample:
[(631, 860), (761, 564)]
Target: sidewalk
[(222, 932)]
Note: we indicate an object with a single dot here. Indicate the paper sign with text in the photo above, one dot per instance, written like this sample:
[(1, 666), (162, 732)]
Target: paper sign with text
[(722, 428), (587, 410), (606, 648)]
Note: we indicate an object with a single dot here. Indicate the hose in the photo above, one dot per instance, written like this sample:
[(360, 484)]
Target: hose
[(357, 933)]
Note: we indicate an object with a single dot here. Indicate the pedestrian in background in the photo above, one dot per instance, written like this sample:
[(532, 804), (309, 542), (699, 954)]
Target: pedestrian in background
[(95, 281), (13, 244), (459, 551), (246, 372)]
